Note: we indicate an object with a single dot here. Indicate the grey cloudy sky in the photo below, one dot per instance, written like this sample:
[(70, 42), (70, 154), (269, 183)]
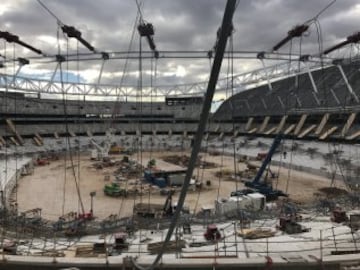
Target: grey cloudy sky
[(179, 25)]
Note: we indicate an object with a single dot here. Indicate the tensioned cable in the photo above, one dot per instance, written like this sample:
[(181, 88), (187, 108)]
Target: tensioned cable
[(326, 97), (139, 123), (293, 141), (78, 125), (50, 12), (152, 136), (68, 136), (4, 189), (222, 172), (231, 49), (66, 142), (116, 108), (16, 151), (125, 68), (200, 178)]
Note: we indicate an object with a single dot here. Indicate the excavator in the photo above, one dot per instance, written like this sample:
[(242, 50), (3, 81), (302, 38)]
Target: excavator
[(262, 186)]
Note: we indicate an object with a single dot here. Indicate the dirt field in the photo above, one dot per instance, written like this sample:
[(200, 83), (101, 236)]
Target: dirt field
[(55, 192)]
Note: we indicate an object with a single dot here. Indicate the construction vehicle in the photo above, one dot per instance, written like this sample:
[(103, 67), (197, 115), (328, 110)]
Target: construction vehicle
[(102, 152), (212, 233), (289, 225), (114, 190), (264, 187), (261, 155), (151, 163), (338, 215), (120, 241), (86, 216), (241, 192), (354, 222), (156, 177), (42, 162), (115, 149), (289, 219)]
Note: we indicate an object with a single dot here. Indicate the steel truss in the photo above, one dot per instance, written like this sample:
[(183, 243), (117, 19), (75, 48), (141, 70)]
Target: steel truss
[(241, 82)]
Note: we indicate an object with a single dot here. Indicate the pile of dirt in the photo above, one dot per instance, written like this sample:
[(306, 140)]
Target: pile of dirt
[(224, 173), (215, 153), (128, 169), (333, 191), (228, 175)]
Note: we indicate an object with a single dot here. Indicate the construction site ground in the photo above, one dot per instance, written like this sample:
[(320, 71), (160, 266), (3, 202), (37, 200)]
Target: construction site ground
[(55, 192)]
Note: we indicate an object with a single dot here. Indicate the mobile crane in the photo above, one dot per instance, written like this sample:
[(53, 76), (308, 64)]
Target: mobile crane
[(102, 152), (262, 186)]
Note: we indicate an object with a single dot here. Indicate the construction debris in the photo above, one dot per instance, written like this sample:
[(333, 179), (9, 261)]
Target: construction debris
[(91, 250), (172, 246), (333, 191), (256, 233), (227, 175), (183, 161)]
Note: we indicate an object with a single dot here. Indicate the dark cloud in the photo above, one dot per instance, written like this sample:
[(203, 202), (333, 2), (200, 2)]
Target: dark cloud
[(179, 25)]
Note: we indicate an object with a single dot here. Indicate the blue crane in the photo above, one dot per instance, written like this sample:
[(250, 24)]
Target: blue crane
[(262, 186)]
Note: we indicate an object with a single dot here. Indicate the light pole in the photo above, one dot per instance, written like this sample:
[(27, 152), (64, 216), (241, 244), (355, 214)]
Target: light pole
[(92, 194)]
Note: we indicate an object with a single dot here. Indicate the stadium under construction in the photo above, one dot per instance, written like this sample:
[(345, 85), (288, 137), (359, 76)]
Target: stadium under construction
[(257, 170)]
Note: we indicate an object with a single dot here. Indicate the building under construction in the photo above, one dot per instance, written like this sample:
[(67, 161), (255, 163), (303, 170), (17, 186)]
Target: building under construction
[(100, 175)]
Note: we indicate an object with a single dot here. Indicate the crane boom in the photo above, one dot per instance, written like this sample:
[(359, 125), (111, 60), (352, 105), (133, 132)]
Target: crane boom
[(267, 159), (263, 187), (102, 152)]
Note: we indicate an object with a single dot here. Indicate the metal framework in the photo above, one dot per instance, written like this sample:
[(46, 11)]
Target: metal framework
[(118, 55), (241, 82)]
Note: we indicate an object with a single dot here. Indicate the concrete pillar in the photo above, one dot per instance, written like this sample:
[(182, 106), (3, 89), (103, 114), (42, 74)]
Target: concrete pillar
[(264, 124), (37, 141), (12, 139), (353, 136), (306, 131), (12, 127), (328, 133), (281, 124), (300, 124), (37, 135), (322, 124), (271, 130), (249, 123), (289, 129), (3, 142), (348, 124)]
